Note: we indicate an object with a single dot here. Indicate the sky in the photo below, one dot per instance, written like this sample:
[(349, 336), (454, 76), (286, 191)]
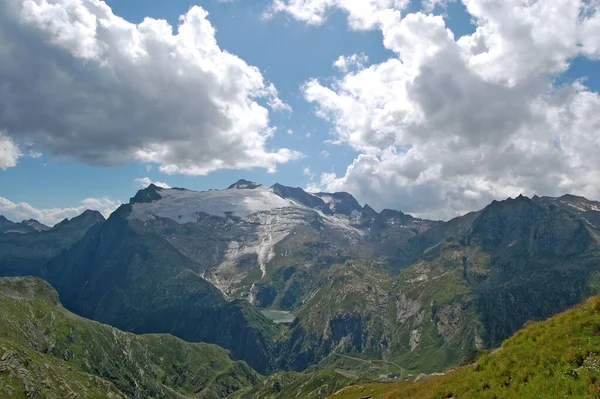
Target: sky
[(432, 107)]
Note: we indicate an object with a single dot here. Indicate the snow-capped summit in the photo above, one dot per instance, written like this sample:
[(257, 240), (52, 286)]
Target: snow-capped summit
[(185, 206), (228, 231), (244, 184)]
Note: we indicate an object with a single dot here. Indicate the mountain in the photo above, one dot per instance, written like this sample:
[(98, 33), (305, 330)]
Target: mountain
[(136, 281), (370, 293), (37, 226), (473, 281), (26, 253), (556, 358), (239, 237), (26, 226), (46, 350)]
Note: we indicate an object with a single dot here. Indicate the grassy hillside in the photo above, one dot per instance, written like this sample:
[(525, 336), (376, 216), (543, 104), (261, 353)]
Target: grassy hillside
[(25, 373), (556, 358), (317, 385), (39, 334)]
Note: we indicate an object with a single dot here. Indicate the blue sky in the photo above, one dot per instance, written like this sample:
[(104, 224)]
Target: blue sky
[(290, 52)]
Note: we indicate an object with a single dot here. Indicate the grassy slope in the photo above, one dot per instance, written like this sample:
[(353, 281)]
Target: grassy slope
[(556, 358), (317, 385), (159, 366), (25, 373)]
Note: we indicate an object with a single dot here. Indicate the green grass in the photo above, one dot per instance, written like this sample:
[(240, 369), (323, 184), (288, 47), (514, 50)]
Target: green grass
[(556, 358), (287, 385), (153, 366)]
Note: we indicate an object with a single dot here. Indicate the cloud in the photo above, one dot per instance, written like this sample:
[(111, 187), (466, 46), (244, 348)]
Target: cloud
[(364, 14), (448, 125), (356, 61), (83, 83), (9, 153), (24, 211), (430, 5), (143, 182), (307, 172)]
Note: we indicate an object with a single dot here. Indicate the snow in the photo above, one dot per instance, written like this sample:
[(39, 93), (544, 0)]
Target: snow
[(576, 207), (183, 206), (273, 218)]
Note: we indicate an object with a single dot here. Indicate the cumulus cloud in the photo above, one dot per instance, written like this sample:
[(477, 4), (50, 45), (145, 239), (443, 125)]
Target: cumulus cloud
[(9, 153), (448, 125), (83, 83), (354, 61), (143, 182), (364, 14), (24, 211), (430, 5)]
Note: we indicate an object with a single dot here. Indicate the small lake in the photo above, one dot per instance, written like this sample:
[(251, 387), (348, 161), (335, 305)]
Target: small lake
[(278, 316)]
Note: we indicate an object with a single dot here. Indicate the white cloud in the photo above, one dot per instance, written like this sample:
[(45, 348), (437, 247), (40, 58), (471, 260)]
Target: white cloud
[(355, 61), (23, 211), (307, 172), (83, 83), (430, 5), (9, 152), (290, 132), (143, 182), (364, 14), (447, 125)]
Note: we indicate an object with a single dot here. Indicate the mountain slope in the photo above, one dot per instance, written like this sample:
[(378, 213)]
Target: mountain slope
[(27, 252), (37, 333), (139, 282), (317, 385), (476, 280), (556, 358), (25, 373)]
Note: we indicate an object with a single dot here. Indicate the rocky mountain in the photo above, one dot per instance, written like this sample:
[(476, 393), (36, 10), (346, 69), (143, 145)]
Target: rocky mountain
[(27, 252), (370, 293), (47, 351), (239, 237), (26, 226), (474, 281), (137, 281), (37, 226)]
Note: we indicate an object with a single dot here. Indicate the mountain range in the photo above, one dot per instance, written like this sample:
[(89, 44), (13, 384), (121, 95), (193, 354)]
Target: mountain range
[(308, 287)]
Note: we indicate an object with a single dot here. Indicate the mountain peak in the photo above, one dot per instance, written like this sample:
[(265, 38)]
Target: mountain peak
[(244, 185), (35, 225), (340, 202), (299, 195), (147, 195)]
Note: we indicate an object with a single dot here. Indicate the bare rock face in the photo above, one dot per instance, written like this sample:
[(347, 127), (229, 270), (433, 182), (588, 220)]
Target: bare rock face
[(406, 308), (415, 338), (448, 319)]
